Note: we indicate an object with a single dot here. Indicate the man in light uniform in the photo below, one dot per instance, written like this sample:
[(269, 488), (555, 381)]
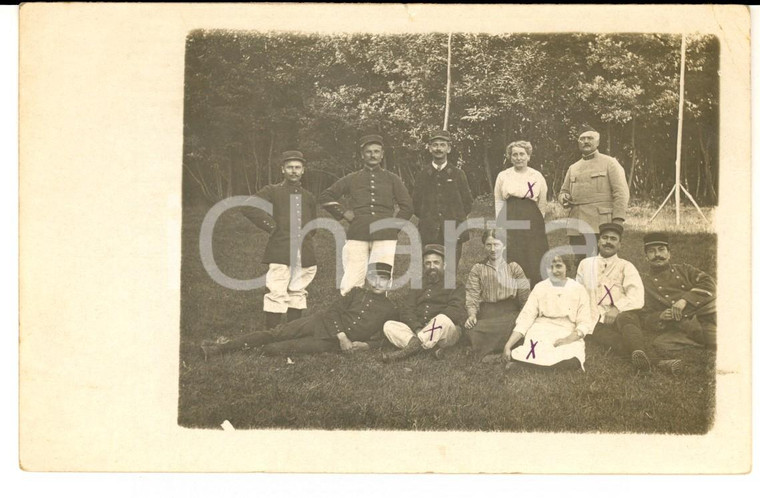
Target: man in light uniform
[(372, 194), (595, 190)]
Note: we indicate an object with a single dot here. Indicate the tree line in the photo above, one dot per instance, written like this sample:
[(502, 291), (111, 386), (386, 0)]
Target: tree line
[(249, 96)]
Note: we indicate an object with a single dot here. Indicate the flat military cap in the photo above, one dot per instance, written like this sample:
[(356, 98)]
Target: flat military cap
[(440, 134), (656, 238), (434, 249), (383, 269), (585, 128), (289, 155), (370, 139), (615, 227)]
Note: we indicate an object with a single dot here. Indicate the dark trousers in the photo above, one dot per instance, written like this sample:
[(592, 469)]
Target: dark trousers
[(580, 240), (624, 336), (296, 337), (428, 236)]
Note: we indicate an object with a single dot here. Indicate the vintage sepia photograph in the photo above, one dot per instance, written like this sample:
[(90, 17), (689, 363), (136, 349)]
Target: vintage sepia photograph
[(606, 142), (398, 238)]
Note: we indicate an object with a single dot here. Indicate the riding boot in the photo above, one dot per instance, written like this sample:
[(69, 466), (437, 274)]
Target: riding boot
[(413, 347), (293, 314), (273, 319)]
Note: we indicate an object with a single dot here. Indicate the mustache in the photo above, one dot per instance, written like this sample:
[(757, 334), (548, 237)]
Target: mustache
[(658, 259)]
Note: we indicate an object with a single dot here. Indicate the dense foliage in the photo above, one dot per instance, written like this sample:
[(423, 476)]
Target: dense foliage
[(249, 96)]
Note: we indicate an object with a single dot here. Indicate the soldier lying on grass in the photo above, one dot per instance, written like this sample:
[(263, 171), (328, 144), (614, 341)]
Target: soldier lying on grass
[(352, 323)]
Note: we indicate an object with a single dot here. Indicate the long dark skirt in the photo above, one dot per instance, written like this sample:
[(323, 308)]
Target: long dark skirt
[(526, 247), (495, 324)]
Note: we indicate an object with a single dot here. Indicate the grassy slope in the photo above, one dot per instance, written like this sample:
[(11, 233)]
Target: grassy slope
[(332, 391)]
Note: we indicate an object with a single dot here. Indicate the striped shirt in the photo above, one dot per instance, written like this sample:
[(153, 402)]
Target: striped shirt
[(490, 283)]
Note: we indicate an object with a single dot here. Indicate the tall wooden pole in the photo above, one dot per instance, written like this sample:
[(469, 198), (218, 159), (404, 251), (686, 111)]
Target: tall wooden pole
[(680, 130), (448, 89)]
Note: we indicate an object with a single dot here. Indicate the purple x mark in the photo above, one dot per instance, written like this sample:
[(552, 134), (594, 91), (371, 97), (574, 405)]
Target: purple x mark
[(532, 349), (530, 190), (608, 292), (432, 329)]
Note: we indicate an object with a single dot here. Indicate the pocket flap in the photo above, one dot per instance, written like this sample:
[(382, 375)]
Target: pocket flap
[(605, 210), (598, 174)]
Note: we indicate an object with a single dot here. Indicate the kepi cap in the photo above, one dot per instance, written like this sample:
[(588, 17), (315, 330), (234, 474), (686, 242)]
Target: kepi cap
[(615, 227), (289, 155), (656, 238), (370, 139), (434, 249), (440, 134), (583, 129), (383, 269)]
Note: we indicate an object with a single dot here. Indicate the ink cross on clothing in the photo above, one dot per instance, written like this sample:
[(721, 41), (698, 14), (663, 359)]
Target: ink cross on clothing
[(530, 190), (432, 329), (532, 349), (608, 292)]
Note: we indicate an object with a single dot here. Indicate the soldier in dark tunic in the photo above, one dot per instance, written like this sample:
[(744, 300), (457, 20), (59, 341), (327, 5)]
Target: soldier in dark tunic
[(286, 280), (432, 317), (679, 300), (353, 323), (441, 193), (372, 194)]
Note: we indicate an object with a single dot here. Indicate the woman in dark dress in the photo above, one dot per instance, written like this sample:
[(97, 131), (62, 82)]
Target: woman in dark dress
[(520, 191)]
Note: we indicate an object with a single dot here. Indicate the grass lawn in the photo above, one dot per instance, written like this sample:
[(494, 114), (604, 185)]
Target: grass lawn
[(334, 391)]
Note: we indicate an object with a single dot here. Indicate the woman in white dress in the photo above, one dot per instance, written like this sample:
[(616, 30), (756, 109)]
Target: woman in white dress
[(554, 321), (520, 191)]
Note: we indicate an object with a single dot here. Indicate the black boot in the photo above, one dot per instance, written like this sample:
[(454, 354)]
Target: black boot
[(293, 314), (413, 347), (273, 319)]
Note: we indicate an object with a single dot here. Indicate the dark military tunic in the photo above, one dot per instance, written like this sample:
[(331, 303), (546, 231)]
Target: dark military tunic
[(278, 225), (675, 282), (439, 196), (372, 195), (421, 305)]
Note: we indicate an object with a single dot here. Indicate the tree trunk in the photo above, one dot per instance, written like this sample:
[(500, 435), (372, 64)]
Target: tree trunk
[(269, 160), (487, 166), (709, 185), (609, 138), (633, 152)]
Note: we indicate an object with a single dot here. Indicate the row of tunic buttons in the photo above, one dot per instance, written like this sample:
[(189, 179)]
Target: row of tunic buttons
[(372, 193), (366, 305)]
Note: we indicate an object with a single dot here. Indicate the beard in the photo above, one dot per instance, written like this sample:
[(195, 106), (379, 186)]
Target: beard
[(432, 276)]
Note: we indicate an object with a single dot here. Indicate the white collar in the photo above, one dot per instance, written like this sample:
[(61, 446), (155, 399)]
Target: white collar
[(440, 168)]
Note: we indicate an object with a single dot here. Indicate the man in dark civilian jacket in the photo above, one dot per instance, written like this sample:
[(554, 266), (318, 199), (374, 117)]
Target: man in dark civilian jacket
[(441, 193)]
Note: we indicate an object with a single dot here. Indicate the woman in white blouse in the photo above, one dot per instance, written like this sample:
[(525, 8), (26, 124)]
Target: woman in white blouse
[(520, 192), (553, 321)]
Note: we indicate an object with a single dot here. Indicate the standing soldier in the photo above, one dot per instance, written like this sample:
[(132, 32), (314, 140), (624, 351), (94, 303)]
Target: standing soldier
[(286, 282), (594, 190), (441, 193), (372, 194)]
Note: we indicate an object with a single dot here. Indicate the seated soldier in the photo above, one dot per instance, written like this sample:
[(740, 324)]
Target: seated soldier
[(431, 317), (352, 323), (616, 295), (679, 300)]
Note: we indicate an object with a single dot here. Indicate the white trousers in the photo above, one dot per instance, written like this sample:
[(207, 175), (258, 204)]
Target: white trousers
[(357, 254), (287, 287), (439, 331)]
